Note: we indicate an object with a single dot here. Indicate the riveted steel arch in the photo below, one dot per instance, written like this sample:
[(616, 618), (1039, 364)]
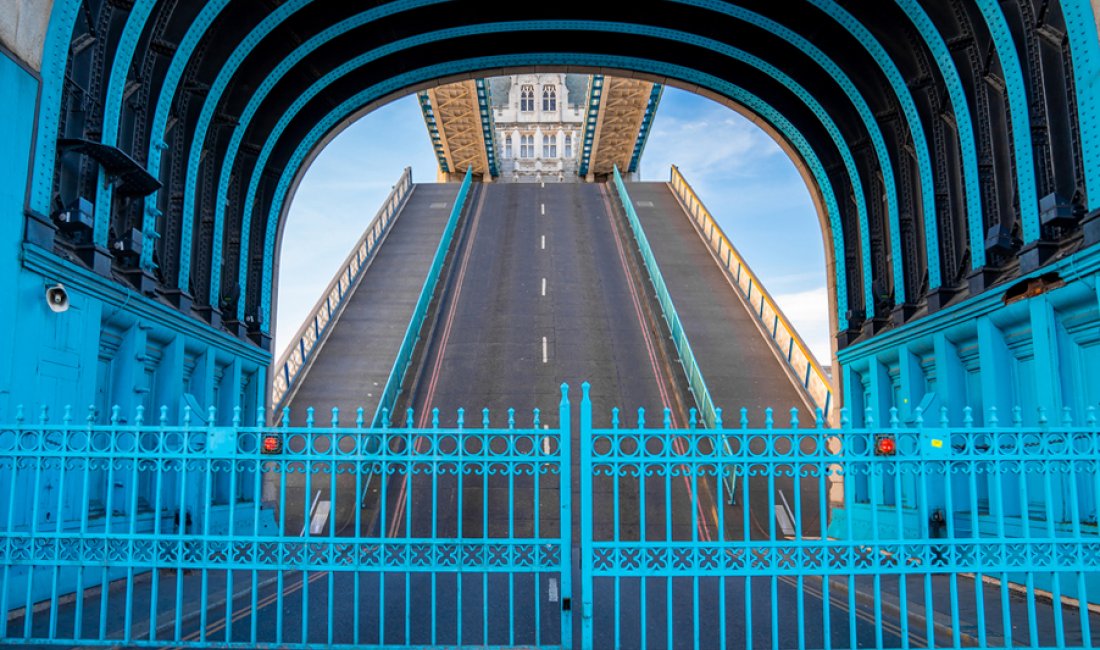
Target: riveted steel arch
[(354, 104), (891, 91), (732, 52)]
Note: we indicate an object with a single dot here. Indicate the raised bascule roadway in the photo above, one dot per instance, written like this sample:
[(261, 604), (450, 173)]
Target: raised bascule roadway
[(514, 417)]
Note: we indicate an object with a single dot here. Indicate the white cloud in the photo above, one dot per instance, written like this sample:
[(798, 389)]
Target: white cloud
[(808, 312)]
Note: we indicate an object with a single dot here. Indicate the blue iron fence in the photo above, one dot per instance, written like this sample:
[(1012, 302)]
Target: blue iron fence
[(748, 537), (797, 535), (463, 541), (313, 330)]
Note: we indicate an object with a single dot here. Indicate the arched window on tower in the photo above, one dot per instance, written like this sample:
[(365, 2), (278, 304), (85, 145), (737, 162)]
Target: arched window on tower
[(549, 98), (527, 98), (568, 145), (549, 146), (527, 146)]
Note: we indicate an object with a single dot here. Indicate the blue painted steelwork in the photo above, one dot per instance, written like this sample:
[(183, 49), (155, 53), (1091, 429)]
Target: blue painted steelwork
[(901, 90), (735, 93), (801, 363), (487, 129), (716, 561), (433, 129), (647, 123), (316, 326), (676, 329), (388, 397), (161, 484), (595, 94), (1018, 113), (964, 127), (1085, 47), (112, 113)]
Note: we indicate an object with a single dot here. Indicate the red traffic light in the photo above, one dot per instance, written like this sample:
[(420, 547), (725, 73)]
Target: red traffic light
[(885, 445), (272, 443)]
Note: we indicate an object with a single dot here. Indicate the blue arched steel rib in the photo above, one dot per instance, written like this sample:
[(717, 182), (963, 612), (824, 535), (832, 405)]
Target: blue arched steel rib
[(720, 86), (55, 60), (112, 110), (657, 32), (1019, 115), (963, 126), (912, 118), (1085, 49), (157, 145), (217, 89)]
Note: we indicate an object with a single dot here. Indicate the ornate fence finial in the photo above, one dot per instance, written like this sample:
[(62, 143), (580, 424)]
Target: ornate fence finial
[(794, 418), (511, 418), (535, 418), (237, 415), (641, 418), (461, 417), (309, 417), (968, 417), (435, 418), (385, 418), (945, 421), (615, 417), (67, 415), (845, 418), (992, 417), (693, 417), (139, 415), (409, 415), (1067, 417), (1017, 416), (115, 417), (744, 418), (485, 418), (717, 417), (359, 418), (819, 418), (768, 421), (868, 417)]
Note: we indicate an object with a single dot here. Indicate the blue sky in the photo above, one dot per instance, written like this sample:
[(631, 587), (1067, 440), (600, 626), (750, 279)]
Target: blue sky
[(741, 174)]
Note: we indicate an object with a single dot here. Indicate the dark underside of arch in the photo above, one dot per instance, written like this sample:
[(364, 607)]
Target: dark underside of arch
[(927, 150)]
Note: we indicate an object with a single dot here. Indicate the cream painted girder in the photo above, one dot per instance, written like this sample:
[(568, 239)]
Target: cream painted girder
[(622, 108), (458, 119)]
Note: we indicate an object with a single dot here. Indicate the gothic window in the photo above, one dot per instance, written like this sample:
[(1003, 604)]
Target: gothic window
[(527, 98), (526, 146), (549, 98), (549, 147), (568, 145), (507, 146)]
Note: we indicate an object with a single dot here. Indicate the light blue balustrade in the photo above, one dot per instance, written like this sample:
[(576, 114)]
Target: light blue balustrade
[(311, 334), (412, 334), (676, 329)]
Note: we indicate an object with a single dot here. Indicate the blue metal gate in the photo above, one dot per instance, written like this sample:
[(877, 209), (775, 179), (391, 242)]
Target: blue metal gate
[(153, 535), (931, 536), (927, 536)]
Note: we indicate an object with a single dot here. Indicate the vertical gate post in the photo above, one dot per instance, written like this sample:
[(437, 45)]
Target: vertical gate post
[(585, 442), (565, 458)]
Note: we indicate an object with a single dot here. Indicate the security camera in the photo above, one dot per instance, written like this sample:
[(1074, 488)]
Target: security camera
[(57, 298)]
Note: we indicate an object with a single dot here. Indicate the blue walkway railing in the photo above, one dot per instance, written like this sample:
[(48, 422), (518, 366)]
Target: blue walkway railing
[(307, 341), (804, 367), (707, 411), (404, 355)]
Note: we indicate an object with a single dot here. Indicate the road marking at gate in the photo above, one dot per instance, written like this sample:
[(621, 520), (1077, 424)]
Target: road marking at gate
[(784, 514), (542, 208), (544, 286), (553, 590), (702, 524), (544, 242), (544, 349)]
